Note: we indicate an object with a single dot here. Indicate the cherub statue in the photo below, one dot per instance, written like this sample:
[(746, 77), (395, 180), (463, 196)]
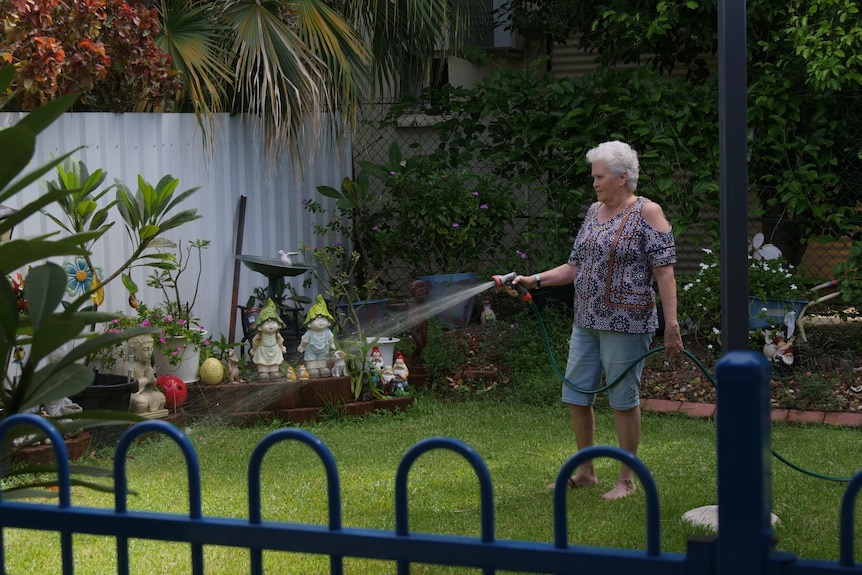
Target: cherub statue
[(148, 401), (318, 343), (267, 346)]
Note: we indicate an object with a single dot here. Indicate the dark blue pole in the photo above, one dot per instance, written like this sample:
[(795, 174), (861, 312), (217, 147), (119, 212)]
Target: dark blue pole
[(733, 174), (744, 463)]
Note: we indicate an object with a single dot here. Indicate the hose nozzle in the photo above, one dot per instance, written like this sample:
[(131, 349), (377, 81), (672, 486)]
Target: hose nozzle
[(506, 281)]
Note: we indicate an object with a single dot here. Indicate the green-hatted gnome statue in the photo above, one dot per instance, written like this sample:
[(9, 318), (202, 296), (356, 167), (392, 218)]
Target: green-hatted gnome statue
[(267, 347), (318, 342)]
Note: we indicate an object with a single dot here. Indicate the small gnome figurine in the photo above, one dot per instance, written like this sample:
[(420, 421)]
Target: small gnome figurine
[(376, 359), (387, 379), (488, 314), (400, 374), (318, 343), (303, 373)]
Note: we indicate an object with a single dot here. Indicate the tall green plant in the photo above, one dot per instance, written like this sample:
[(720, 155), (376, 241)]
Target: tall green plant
[(43, 326)]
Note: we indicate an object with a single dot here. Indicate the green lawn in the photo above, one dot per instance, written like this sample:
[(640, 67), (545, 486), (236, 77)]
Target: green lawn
[(523, 447)]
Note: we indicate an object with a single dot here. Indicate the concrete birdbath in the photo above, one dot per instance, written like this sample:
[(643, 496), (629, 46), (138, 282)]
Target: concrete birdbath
[(273, 269)]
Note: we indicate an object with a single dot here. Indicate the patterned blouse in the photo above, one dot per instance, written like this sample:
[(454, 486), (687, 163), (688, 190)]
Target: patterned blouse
[(613, 284)]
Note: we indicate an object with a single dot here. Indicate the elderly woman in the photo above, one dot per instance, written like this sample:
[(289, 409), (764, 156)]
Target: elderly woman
[(624, 245)]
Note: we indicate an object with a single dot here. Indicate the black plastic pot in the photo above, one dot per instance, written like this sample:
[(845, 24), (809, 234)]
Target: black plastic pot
[(108, 391)]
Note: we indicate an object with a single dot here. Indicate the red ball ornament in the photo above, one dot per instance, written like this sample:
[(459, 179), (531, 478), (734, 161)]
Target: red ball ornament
[(175, 390)]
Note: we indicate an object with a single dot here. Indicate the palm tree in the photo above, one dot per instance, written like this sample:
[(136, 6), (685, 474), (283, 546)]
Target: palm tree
[(286, 62)]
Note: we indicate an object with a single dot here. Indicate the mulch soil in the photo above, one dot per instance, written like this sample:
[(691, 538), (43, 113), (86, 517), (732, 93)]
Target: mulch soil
[(825, 376)]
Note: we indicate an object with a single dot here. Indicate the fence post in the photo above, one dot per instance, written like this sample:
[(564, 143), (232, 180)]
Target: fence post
[(744, 463)]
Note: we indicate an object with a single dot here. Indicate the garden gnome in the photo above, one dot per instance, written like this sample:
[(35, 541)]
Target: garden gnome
[(267, 347), (318, 342), (387, 379), (148, 401), (400, 374), (488, 314), (376, 359)]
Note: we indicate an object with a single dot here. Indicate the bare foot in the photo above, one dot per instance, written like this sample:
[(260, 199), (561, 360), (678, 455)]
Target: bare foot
[(623, 488), (580, 479)]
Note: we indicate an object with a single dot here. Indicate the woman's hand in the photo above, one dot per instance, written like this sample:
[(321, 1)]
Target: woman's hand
[(672, 340)]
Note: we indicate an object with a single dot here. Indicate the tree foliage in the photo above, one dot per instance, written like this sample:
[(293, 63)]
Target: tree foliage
[(800, 55)]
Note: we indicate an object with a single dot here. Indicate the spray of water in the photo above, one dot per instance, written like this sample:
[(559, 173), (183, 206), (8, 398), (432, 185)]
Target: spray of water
[(259, 397)]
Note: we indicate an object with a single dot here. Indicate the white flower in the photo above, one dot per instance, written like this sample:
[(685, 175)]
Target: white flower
[(793, 287), (715, 330), (706, 250), (687, 287), (709, 346)]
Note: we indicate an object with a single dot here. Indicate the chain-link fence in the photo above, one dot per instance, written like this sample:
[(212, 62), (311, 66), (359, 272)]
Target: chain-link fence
[(815, 260)]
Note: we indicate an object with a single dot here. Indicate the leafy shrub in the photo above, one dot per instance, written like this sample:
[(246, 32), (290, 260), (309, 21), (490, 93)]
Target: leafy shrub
[(104, 50), (699, 296)]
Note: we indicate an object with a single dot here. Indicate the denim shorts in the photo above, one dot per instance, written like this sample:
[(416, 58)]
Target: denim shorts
[(593, 351)]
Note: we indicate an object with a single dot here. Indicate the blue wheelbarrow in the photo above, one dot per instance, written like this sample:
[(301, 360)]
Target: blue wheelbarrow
[(771, 312)]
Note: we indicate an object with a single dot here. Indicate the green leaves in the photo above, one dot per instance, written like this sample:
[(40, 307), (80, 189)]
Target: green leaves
[(146, 211)]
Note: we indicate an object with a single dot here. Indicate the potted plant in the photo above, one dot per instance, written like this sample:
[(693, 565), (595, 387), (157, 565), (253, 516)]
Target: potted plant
[(180, 335)]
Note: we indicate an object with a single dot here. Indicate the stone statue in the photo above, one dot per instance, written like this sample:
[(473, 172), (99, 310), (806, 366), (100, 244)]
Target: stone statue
[(267, 347), (148, 401), (232, 367), (318, 343)]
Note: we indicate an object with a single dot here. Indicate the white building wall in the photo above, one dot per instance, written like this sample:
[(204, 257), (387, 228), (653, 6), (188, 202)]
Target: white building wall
[(153, 145)]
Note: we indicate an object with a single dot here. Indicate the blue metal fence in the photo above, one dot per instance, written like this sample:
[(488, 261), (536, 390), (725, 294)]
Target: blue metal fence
[(744, 489)]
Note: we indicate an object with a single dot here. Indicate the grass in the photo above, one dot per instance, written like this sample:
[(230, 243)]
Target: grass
[(523, 447)]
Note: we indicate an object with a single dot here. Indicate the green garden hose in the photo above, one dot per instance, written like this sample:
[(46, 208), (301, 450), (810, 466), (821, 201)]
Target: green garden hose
[(688, 354)]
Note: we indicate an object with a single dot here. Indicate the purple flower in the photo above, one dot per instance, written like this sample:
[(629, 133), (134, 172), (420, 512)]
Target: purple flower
[(145, 323), (455, 224), (393, 173), (522, 254), (304, 200), (475, 193), (181, 322), (375, 228), (483, 207)]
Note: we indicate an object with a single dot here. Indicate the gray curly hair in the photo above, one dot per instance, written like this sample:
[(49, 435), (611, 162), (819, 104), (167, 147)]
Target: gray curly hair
[(620, 159)]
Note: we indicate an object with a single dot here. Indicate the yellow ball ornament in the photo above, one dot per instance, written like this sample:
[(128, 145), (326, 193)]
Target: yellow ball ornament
[(212, 371)]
